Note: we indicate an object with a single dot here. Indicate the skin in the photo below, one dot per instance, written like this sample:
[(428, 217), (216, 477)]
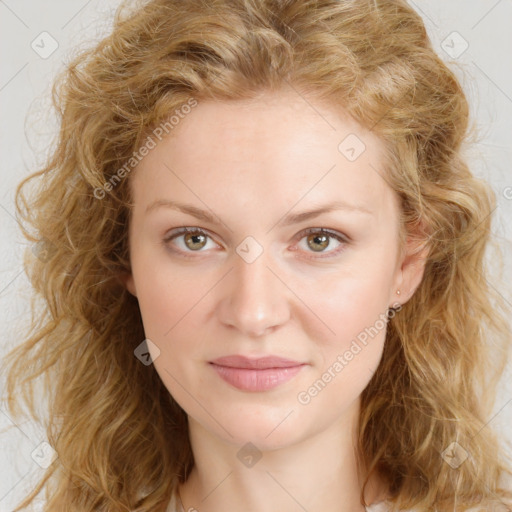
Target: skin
[(249, 163)]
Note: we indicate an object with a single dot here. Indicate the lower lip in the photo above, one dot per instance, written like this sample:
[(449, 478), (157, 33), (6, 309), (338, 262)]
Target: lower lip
[(256, 380)]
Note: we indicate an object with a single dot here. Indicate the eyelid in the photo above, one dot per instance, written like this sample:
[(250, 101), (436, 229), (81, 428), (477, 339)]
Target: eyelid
[(327, 231)]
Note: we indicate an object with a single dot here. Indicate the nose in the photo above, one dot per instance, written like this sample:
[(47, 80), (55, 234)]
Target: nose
[(255, 299)]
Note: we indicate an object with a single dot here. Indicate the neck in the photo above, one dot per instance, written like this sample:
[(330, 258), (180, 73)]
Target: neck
[(320, 472)]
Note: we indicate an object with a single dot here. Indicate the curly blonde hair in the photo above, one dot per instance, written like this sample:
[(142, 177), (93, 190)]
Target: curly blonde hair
[(121, 440)]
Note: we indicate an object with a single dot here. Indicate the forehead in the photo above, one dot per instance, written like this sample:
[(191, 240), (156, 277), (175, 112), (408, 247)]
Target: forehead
[(280, 147), (277, 122)]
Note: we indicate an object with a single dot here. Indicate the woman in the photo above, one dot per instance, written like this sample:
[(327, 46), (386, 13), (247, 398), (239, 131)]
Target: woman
[(263, 268)]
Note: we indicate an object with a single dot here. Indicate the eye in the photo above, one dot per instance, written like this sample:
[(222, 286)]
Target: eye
[(319, 239), (193, 239)]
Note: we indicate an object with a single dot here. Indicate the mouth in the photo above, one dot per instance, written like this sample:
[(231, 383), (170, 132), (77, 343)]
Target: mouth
[(256, 375)]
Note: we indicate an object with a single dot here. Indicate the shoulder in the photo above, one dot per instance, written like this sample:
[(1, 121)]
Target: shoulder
[(384, 506), (173, 504)]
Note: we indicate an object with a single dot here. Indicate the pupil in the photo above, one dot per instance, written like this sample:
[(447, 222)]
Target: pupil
[(195, 239), (323, 243)]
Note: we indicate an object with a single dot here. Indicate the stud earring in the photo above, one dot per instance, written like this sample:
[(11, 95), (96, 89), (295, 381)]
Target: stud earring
[(398, 292)]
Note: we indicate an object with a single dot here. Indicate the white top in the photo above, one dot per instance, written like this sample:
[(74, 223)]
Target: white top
[(382, 506), (174, 507)]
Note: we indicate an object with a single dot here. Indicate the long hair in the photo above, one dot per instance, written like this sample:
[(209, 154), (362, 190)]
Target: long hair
[(120, 438)]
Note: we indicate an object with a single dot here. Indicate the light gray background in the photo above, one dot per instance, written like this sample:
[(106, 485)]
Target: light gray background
[(484, 68)]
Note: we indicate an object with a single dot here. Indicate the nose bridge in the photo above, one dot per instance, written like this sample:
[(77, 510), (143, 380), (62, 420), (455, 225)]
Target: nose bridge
[(256, 299)]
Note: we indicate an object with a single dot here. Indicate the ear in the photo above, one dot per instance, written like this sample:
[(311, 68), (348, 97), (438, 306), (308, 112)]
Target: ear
[(410, 270), (128, 282)]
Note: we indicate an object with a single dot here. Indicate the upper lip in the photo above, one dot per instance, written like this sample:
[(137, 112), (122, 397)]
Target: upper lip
[(239, 361)]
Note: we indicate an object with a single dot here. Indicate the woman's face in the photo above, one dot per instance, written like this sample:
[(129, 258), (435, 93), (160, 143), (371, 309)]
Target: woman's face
[(253, 281)]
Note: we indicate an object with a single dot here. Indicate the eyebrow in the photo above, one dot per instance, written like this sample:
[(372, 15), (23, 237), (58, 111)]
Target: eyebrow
[(287, 220)]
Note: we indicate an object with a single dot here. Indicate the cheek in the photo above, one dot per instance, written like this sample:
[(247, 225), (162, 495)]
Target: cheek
[(350, 304), (355, 309), (167, 297)]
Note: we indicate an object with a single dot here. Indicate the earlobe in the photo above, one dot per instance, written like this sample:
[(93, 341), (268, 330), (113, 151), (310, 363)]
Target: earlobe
[(411, 271), (128, 282)]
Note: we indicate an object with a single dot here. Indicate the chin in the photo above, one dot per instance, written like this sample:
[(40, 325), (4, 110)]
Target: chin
[(266, 429)]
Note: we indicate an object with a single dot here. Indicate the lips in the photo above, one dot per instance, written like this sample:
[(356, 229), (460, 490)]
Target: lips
[(256, 375)]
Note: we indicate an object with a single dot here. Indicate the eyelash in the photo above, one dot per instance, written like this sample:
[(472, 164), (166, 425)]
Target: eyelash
[(320, 231)]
